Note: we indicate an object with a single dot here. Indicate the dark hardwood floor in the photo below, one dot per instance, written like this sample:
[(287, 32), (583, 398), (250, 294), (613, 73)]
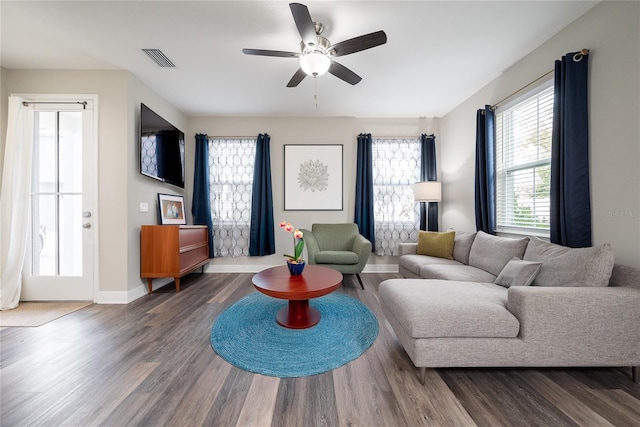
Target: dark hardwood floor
[(150, 363)]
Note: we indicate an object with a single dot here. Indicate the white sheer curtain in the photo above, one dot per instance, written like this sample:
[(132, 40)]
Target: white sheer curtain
[(396, 167), (231, 162), (15, 200)]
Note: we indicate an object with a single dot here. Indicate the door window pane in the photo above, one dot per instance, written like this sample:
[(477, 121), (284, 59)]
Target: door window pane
[(44, 241), (56, 200), (70, 147), (70, 235)]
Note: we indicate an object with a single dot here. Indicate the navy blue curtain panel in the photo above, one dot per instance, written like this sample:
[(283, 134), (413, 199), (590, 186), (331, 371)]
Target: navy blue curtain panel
[(428, 172), (570, 219), (261, 236), (485, 189), (364, 189), (201, 204)]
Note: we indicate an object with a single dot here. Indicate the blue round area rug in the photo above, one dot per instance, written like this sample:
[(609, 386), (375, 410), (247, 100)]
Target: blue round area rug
[(247, 336)]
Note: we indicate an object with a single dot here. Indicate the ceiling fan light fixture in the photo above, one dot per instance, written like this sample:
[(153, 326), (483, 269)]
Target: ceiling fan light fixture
[(315, 63)]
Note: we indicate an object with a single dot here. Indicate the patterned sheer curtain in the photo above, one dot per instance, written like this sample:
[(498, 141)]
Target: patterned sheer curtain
[(396, 167), (231, 162)]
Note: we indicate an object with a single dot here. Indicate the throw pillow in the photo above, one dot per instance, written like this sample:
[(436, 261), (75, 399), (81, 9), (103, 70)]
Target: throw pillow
[(518, 272), (564, 266), (491, 253), (437, 244)]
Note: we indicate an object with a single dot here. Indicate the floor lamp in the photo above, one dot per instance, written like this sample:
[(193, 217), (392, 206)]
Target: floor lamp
[(429, 192)]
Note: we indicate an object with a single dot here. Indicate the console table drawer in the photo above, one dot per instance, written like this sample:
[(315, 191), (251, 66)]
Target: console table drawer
[(193, 257), (192, 236), (172, 251)]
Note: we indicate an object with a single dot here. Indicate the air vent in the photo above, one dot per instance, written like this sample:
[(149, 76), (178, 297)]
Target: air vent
[(159, 58)]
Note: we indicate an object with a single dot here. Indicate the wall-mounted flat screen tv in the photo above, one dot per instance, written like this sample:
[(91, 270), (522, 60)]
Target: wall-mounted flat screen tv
[(161, 148)]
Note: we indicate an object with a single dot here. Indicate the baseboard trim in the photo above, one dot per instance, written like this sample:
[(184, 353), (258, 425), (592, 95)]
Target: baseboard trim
[(237, 268), (125, 297), (380, 268), (255, 268)]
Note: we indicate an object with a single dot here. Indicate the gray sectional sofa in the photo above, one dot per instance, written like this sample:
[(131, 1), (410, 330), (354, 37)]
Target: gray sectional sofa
[(498, 302)]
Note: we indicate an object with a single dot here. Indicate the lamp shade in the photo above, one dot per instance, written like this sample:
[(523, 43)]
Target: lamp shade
[(427, 191)]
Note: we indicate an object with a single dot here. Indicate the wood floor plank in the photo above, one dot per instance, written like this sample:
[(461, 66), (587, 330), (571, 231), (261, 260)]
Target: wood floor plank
[(262, 395), (306, 401), (577, 410), (150, 363), (358, 386)]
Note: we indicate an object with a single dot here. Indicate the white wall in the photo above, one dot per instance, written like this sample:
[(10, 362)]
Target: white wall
[(611, 30), (120, 186), (343, 130), (110, 86), (142, 188)]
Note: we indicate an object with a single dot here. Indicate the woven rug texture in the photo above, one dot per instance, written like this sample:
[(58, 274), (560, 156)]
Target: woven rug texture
[(31, 314), (247, 336)]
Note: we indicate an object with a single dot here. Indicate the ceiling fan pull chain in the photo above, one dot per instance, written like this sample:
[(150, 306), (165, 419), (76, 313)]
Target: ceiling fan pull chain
[(315, 95)]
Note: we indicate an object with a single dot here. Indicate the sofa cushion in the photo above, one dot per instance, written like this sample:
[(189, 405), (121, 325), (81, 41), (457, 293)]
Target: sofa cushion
[(436, 244), (336, 257), (441, 308), (413, 263), (518, 272), (462, 246), (564, 266), (465, 273), (492, 253)]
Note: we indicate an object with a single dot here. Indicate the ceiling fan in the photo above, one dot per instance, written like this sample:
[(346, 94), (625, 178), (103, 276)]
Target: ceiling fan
[(317, 53)]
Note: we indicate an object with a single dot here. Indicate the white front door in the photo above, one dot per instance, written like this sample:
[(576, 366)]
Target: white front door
[(60, 257)]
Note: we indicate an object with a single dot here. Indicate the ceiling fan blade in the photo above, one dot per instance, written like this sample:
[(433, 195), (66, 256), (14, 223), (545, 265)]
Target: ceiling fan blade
[(297, 78), (264, 52), (304, 23), (342, 72), (357, 44)]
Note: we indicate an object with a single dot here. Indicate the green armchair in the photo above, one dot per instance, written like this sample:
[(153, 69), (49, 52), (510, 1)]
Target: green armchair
[(338, 246)]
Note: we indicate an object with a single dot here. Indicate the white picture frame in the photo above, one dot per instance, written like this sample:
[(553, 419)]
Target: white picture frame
[(313, 177)]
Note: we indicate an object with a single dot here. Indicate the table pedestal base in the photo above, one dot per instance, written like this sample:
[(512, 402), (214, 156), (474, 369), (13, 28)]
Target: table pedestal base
[(298, 315)]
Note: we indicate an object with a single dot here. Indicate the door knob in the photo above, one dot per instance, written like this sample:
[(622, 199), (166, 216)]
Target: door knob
[(87, 225)]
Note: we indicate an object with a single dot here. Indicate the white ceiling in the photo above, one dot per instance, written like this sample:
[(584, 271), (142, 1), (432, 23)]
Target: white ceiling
[(437, 55)]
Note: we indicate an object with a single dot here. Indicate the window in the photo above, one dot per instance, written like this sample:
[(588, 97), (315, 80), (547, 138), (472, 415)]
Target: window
[(523, 163), (396, 167), (231, 163)]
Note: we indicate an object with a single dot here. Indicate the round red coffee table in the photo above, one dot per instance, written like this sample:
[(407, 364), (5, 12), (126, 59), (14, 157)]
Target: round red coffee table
[(315, 281)]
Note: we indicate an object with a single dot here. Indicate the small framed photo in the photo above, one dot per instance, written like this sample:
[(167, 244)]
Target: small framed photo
[(312, 177), (171, 209)]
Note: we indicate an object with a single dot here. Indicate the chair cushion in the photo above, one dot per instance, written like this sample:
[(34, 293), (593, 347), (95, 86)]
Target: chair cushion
[(492, 253), (335, 237), (465, 273), (413, 263), (449, 309), (564, 266), (462, 246), (336, 257)]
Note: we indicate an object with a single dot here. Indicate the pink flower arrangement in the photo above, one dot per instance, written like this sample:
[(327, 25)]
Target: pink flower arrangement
[(298, 241)]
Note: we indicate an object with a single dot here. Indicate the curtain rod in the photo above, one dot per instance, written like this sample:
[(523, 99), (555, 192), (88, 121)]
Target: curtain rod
[(577, 58), (396, 137), (83, 103), (232, 137)]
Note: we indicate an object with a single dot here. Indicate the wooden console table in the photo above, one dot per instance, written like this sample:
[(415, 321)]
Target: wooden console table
[(172, 251)]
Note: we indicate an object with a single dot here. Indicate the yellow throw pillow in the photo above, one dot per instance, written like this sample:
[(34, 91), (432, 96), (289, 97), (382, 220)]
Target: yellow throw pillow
[(436, 244)]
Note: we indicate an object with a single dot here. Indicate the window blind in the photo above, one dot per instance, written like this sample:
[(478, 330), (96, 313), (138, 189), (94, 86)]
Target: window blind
[(523, 163)]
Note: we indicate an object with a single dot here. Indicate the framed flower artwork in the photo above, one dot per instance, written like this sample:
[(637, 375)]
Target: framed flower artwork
[(313, 177)]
